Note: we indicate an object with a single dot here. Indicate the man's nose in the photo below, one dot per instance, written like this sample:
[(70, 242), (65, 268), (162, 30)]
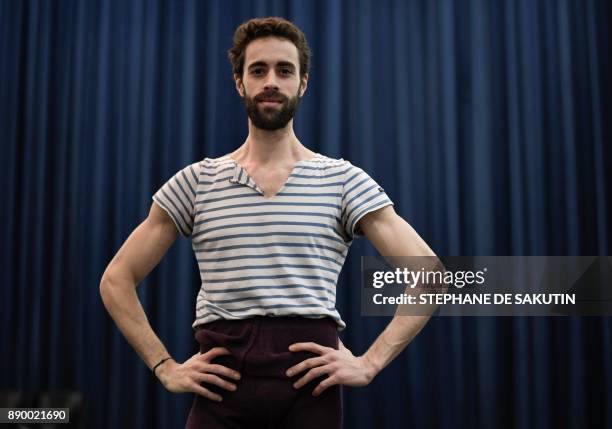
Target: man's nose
[(271, 83)]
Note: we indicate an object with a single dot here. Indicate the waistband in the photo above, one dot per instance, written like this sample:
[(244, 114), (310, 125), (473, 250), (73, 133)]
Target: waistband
[(260, 345)]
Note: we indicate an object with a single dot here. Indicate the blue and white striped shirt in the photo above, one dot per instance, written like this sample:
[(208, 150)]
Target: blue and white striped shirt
[(269, 256)]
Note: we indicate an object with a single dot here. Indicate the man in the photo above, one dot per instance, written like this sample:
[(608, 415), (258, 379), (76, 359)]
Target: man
[(270, 224)]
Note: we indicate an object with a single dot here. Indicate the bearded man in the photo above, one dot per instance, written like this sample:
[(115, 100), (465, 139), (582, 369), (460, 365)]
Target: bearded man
[(270, 225)]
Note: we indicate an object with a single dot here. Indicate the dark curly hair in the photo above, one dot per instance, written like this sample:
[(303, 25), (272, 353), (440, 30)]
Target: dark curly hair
[(265, 27)]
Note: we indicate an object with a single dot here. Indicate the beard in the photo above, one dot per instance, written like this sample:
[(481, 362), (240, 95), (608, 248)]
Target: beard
[(274, 117)]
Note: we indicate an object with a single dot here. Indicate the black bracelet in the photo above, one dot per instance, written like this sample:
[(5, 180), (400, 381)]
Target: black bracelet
[(159, 363)]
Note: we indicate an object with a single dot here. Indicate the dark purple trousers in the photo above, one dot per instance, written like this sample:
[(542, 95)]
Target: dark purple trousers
[(265, 397)]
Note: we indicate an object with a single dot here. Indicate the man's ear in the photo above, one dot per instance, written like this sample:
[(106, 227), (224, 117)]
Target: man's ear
[(303, 85), (239, 85)]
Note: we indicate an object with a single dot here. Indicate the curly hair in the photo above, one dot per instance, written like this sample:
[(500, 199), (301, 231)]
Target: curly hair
[(265, 27)]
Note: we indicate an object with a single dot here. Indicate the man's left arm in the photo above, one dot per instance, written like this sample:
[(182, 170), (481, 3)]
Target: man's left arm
[(391, 236)]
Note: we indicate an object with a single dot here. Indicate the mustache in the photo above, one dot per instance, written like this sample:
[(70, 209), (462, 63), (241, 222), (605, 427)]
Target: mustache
[(270, 95)]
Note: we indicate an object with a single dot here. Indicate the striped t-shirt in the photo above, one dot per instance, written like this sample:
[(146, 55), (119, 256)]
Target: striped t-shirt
[(269, 256)]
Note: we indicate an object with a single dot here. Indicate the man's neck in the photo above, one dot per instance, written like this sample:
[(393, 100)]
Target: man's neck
[(271, 148)]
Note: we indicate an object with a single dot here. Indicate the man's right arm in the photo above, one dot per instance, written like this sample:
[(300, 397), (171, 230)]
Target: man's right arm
[(141, 252)]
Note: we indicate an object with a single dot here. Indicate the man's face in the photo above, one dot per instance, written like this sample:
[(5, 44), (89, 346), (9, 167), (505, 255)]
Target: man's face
[(270, 85)]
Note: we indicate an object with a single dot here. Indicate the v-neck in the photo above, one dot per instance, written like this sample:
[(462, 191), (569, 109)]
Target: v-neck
[(241, 176)]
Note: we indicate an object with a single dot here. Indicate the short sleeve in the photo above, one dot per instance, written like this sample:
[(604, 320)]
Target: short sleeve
[(361, 195), (177, 198)]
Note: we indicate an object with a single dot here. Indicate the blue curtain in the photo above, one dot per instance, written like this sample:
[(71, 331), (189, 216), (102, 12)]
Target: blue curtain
[(487, 123)]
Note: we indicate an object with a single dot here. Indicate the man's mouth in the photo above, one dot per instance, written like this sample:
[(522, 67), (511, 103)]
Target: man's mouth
[(270, 102)]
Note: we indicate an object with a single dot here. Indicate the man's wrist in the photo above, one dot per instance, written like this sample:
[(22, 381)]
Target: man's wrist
[(162, 365), (372, 369), (161, 362)]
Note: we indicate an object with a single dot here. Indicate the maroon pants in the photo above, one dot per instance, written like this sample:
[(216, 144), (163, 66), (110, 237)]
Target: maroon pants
[(265, 397)]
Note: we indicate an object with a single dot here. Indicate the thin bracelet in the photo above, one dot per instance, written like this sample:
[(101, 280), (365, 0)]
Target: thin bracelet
[(159, 363)]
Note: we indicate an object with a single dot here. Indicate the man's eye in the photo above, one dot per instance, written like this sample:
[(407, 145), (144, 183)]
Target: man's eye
[(286, 71), (257, 72)]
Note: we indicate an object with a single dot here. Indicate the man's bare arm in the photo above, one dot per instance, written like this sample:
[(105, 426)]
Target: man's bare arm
[(141, 252), (392, 236)]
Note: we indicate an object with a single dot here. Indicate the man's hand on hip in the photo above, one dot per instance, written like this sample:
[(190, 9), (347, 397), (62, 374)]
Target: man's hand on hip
[(188, 376), (340, 366)]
